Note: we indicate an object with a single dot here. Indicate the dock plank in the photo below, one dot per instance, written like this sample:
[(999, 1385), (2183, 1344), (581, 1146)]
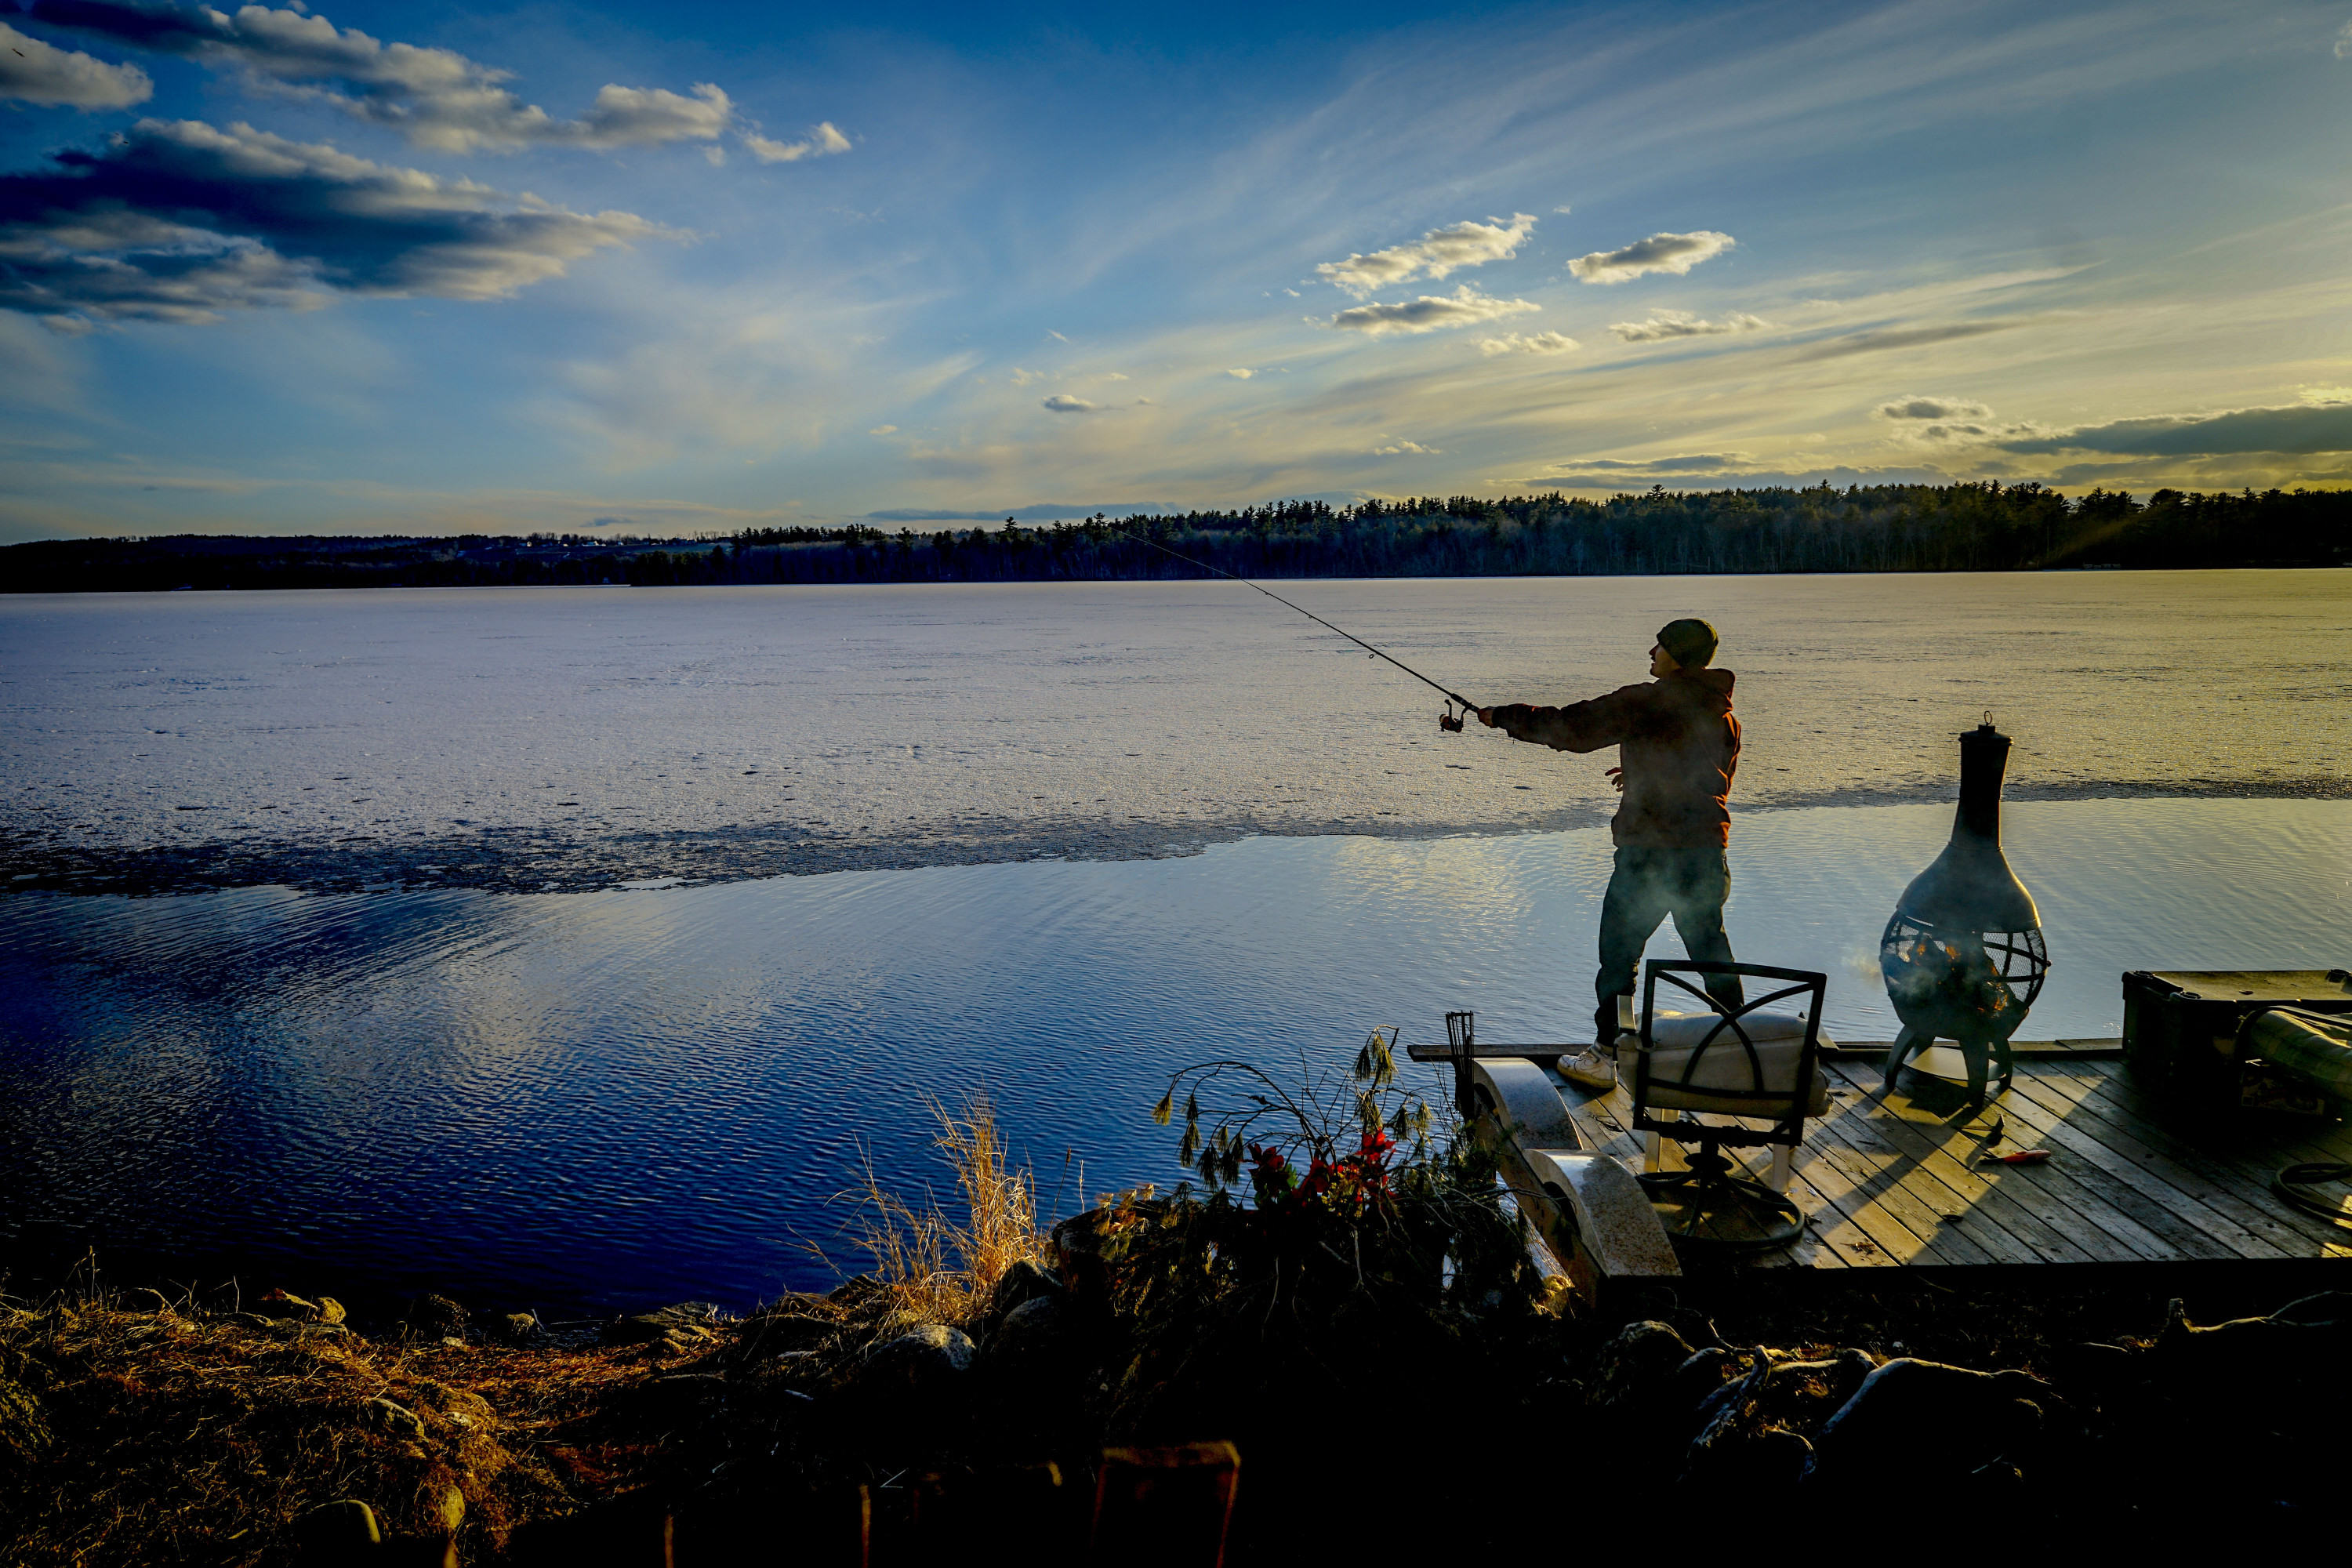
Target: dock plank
[(2239, 1192), (2192, 1229), (2239, 1155), (2025, 1201), (1879, 1177)]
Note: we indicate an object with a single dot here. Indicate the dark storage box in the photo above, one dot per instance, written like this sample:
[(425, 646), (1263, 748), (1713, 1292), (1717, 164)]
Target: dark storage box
[(2180, 1026)]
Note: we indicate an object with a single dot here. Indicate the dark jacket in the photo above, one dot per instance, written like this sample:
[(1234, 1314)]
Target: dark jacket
[(1677, 742)]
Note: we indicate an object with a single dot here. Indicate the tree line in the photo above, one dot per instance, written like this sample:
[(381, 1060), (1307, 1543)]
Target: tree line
[(1984, 527), (1981, 527)]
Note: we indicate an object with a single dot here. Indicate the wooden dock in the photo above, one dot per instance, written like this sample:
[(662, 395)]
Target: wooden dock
[(1895, 1180)]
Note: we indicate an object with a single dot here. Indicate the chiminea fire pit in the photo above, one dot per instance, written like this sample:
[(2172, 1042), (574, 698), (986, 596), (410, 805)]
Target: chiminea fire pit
[(1963, 956)]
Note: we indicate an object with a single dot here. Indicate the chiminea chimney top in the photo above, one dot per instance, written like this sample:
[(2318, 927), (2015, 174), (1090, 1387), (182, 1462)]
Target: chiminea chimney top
[(1970, 886)]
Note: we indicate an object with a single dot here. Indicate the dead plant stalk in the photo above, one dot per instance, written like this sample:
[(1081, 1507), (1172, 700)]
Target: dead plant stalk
[(943, 1269)]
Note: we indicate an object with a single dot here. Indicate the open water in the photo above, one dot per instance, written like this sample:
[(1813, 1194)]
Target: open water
[(619, 1095)]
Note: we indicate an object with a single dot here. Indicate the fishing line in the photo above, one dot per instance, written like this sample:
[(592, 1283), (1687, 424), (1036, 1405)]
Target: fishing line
[(1449, 721)]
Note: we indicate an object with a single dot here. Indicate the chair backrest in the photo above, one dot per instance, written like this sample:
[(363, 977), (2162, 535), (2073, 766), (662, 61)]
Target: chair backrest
[(1723, 1067)]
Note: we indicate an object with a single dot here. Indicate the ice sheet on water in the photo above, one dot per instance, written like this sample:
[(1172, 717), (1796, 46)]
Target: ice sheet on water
[(587, 737)]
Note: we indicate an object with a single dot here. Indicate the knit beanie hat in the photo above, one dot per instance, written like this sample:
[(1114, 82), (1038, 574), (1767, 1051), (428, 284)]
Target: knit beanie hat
[(1690, 643)]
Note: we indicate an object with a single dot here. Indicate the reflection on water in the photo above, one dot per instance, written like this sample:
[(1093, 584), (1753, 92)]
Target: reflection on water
[(606, 1098)]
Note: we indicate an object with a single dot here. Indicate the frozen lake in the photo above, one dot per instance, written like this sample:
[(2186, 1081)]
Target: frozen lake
[(573, 737), (1231, 839)]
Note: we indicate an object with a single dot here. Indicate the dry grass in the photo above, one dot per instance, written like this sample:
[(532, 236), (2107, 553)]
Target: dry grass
[(136, 1430), (162, 1433), (942, 1269)]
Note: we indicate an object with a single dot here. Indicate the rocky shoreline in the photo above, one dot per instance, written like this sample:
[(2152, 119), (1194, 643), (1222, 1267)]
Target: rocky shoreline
[(135, 1429)]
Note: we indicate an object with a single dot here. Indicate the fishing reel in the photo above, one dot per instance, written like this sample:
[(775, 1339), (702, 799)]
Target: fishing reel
[(1450, 721)]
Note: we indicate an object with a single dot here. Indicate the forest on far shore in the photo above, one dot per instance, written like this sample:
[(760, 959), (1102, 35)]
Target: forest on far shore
[(1985, 527)]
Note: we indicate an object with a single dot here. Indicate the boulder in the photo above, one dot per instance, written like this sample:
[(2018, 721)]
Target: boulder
[(928, 1358), (327, 1532), (393, 1420), (1634, 1363), (1913, 1417), (432, 1316), (1023, 1282), (1699, 1375), (1031, 1333), (278, 1304), (681, 1328), (853, 1290), (466, 1409)]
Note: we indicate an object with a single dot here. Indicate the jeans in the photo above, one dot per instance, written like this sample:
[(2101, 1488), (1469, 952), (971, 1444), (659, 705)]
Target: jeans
[(1648, 885)]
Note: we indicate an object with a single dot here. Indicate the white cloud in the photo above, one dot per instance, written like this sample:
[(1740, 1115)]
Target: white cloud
[(1063, 402), (1023, 377), (436, 98), (1532, 344), (1240, 374), (34, 72), (2344, 43), (2325, 396), (1675, 253), (1464, 307), (1113, 376), (1433, 255), (884, 430), (1406, 449), (822, 139), (1665, 324), (1561, 211)]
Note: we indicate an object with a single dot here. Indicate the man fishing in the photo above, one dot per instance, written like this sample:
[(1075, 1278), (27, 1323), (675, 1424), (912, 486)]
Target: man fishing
[(1678, 746)]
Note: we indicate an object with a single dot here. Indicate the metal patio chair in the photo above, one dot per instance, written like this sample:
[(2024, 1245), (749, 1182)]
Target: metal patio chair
[(1752, 1061)]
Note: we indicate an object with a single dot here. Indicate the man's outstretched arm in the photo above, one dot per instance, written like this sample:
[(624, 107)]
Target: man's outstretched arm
[(1578, 727)]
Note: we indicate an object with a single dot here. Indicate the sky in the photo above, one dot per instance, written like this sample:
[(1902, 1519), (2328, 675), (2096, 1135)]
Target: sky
[(632, 268)]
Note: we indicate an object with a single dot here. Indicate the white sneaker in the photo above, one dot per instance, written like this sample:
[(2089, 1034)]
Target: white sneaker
[(1589, 1068)]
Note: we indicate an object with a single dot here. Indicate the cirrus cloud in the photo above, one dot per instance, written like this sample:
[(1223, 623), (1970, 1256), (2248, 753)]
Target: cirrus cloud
[(1433, 255), (1672, 253), (34, 72), (1463, 308)]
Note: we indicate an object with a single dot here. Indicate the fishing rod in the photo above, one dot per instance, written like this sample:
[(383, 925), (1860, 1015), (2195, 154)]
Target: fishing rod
[(1448, 722)]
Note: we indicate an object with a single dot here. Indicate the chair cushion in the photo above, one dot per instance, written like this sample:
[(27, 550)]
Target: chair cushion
[(1778, 1039)]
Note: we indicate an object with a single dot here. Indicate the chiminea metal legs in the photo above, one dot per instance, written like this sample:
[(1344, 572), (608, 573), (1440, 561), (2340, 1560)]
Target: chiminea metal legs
[(1979, 1051)]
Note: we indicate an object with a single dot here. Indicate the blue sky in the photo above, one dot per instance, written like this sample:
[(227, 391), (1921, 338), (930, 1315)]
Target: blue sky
[(371, 269)]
